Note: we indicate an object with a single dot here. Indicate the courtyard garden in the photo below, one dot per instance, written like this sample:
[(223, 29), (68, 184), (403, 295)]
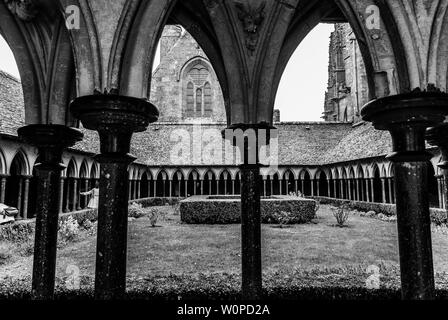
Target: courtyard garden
[(172, 260)]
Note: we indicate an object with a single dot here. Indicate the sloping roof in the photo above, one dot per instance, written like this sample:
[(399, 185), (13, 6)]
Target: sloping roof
[(300, 143), (362, 141)]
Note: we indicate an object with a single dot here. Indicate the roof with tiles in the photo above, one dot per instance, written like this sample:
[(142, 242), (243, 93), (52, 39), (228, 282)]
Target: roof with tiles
[(300, 143)]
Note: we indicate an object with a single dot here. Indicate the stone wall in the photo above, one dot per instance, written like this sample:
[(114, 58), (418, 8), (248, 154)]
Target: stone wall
[(177, 50)]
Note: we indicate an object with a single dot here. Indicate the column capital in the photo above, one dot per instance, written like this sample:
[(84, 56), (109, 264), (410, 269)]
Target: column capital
[(51, 140), (251, 137), (406, 117), (115, 118)]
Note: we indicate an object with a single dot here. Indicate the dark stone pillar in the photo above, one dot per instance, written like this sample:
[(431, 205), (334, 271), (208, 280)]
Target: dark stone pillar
[(438, 136), (251, 181), (50, 140), (2, 189), (26, 191), (407, 117), (115, 118)]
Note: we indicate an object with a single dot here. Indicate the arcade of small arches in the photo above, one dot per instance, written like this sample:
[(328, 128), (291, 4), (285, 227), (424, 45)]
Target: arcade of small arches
[(369, 181)]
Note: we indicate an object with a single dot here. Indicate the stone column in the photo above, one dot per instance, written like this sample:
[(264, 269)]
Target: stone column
[(341, 183), (264, 187), (383, 189), (367, 193), (349, 182), (138, 189), (372, 189), (75, 193), (233, 187), (391, 197), (61, 195), (26, 191), (280, 185), (78, 197), (86, 188), (19, 196), (312, 187), (115, 118), (154, 184), (335, 185), (217, 187), (272, 186), (50, 140), (3, 189), (329, 188), (357, 189), (186, 188), (303, 186), (250, 207), (440, 190), (406, 117), (296, 185)]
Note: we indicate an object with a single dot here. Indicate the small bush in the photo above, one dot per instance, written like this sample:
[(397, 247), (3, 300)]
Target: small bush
[(68, 229), (284, 218), (341, 214), (6, 253), (153, 216), (136, 211)]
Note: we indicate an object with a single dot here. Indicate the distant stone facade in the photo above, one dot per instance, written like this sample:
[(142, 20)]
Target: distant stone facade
[(184, 85), (347, 81)]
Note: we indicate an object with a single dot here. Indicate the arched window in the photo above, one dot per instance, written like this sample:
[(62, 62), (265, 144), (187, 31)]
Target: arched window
[(190, 98), (199, 101), (197, 90), (208, 99)]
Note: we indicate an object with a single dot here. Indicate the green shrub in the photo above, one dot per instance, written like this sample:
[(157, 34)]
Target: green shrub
[(135, 210), (341, 214), (17, 232), (153, 216), (202, 210), (285, 218), (68, 229), (6, 252)]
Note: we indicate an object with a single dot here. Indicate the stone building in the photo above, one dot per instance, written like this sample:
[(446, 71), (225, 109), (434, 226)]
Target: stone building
[(347, 90), (89, 62), (333, 158)]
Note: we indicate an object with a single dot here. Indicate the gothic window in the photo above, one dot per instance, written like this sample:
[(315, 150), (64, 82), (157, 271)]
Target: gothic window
[(340, 68), (208, 98), (198, 94), (190, 97), (199, 101)]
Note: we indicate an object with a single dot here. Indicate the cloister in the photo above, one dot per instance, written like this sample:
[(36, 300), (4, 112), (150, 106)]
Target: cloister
[(90, 62)]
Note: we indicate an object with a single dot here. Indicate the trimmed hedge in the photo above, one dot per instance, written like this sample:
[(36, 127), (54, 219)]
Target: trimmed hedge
[(23, 229), (438, 216), (227, 210)]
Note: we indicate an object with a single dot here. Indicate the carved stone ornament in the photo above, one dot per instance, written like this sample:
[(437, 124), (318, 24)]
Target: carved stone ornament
[(251, 20), (23, 9)]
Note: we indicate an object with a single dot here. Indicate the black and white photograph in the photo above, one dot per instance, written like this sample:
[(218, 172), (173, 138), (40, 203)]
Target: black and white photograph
[(223, 158)]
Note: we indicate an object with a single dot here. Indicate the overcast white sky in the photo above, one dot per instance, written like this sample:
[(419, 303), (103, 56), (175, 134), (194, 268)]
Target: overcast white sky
[(301, 93)]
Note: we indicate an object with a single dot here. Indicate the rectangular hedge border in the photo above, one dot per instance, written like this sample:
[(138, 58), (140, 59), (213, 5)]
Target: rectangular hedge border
[(21, 230), (438, 216), (227, 210)]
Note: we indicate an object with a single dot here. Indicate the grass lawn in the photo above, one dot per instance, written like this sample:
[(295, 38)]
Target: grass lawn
[(319, 251)]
